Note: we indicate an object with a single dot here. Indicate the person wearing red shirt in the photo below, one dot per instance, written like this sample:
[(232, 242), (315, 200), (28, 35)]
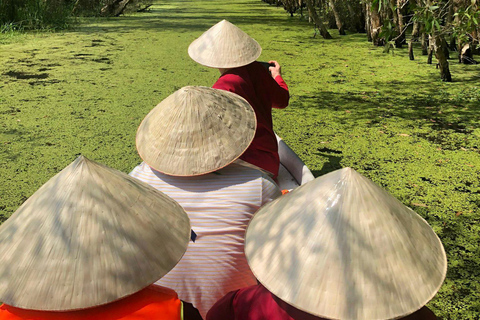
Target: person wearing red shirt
[(339, 247), (234, 53), (264, 91), (257, 303)]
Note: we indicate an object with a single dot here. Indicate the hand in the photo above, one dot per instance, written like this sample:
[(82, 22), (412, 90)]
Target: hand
[(275, 70)]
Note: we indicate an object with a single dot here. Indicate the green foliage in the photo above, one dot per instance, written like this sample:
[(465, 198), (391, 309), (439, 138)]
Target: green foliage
[(86, 91), (467, 22), (429, 16), (433, 19), (10, 27), (388, 31), (19, 15), (33, 14)]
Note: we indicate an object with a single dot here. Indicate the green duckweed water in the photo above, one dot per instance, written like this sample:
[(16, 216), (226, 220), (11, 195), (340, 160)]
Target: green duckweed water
[(85, 91)]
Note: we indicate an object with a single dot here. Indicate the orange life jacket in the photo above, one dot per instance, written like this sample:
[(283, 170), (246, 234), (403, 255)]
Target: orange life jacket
[(153, 302)]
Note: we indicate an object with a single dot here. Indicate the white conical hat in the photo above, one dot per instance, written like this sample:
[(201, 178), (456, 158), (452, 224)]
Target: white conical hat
[(224, 46), (89, 236), (196, 130), (341, 247)]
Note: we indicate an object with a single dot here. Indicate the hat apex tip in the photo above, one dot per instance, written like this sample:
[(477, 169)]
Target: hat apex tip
[(225, 22), (348, 172), (81, 159)]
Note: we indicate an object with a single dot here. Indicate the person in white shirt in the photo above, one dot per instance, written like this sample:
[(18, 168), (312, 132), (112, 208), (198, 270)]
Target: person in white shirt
[(189, 144)]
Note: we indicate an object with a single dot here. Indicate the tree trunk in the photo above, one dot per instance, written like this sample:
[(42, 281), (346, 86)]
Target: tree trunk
[(439, 48), (338, 20), (413, 37), (457, 5), (301, 4), (290, 6), (466, 55), (114, 8), (424, 44), (376, 26), (411, 56), (400, 25), (451, 19), (317, 21), (476, 41), (366, 10), (430, 49), (444, 47)]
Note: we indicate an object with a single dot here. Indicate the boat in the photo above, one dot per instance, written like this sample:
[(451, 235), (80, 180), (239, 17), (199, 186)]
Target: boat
[(293, 172)]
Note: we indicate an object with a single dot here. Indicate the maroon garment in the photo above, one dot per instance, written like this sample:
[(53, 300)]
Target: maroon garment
[(254, 83), (257, 303)]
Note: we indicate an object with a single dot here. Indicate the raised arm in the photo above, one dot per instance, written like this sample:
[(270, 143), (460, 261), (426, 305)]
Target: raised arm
[(280, 94)]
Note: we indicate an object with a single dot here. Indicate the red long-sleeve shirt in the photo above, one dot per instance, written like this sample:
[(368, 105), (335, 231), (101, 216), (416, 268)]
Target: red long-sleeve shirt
[(257, 303), (254, 83)]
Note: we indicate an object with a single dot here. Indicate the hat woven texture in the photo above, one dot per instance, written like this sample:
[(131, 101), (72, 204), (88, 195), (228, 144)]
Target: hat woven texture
[(196, 130), (341, 247), (89, 236), (224, 46)]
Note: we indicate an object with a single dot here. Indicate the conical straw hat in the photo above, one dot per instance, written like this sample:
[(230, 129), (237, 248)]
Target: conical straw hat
[(89, 236), (196, 130), (224, 46), (340, 247)]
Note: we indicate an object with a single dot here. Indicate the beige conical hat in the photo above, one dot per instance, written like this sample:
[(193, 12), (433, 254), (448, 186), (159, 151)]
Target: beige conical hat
[(340, 247), (224, 46), (89, 236), (196, 130)]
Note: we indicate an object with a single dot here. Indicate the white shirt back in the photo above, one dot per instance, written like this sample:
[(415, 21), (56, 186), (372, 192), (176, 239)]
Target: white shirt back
[(220, 206)]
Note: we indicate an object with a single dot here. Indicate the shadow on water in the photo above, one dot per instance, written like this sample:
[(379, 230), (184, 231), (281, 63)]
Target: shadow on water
[(332, 163), (442, 111)]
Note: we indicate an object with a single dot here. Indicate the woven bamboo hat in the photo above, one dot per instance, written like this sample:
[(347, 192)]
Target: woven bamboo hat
[(89, 236), (340, 247), (196, 130), (224, 46)]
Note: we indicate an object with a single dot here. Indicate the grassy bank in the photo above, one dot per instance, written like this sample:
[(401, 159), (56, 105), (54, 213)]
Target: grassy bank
[(86, 91)]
